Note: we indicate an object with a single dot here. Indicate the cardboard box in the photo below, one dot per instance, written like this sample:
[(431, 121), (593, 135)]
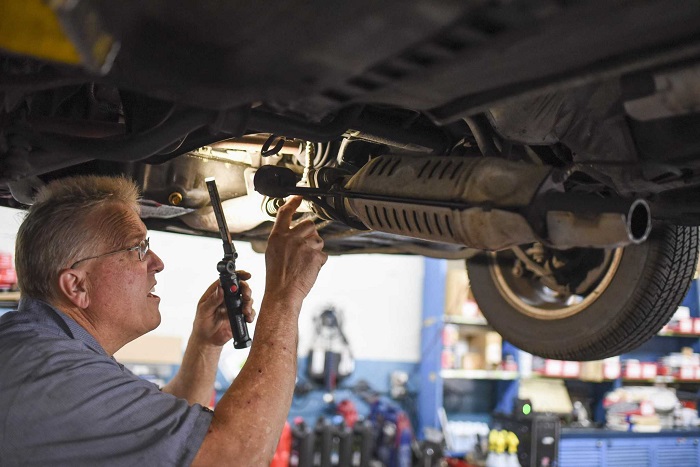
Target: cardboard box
[(592, 371), (472, 361), (547, 395), (150, 349), (456, 288), (489, 346)]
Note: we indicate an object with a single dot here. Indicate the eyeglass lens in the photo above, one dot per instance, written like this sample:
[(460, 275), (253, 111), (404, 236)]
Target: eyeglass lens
[(143, 248)]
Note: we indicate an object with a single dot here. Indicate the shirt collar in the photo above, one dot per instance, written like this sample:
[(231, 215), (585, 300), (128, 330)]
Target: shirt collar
[(62, 323)]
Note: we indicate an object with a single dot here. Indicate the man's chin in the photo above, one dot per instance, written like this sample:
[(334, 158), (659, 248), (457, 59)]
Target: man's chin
[(157, 321), (154, 319)]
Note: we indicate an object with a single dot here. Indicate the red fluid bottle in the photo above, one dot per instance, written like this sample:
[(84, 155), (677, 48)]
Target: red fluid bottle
[(281, 457)]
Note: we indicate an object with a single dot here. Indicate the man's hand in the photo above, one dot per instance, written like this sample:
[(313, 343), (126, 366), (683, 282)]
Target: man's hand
[(249, 418), (294, 255), (211, 330), (211, 323)]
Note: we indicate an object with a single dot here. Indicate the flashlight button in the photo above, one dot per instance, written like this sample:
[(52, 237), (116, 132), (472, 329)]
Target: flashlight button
[(233, 288)]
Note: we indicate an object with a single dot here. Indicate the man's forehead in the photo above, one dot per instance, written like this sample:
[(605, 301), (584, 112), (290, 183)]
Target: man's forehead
[(136, 230), (133, 229), (136, 237)]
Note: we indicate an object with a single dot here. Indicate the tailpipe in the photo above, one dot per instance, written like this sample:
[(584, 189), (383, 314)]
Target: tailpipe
[(591, 221)]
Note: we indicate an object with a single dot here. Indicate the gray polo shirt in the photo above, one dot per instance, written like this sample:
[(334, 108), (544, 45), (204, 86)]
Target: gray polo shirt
[(64, 401)]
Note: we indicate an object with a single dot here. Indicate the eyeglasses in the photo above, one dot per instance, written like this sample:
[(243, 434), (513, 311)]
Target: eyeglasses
[(142, 248)]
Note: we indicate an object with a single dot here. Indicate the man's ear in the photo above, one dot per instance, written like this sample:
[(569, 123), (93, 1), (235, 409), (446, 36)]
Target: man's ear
[(73, 286)]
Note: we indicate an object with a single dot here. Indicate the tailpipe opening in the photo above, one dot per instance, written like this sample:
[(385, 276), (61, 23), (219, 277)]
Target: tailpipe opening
[(639, 221)]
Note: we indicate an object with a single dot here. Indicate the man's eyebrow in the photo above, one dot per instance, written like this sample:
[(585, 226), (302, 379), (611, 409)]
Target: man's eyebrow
[(136, 237)]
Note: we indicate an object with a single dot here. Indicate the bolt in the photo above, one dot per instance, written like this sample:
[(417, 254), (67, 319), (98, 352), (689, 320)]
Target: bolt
[(273, 205), (175, 198)]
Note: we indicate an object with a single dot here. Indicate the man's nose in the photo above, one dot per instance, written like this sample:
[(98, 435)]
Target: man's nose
[(154, 261)]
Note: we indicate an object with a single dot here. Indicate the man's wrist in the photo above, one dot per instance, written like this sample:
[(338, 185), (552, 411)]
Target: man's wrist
[(203, 345), (286, 303)]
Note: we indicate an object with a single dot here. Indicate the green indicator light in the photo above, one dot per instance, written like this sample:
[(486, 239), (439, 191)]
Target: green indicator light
[(527, 409)]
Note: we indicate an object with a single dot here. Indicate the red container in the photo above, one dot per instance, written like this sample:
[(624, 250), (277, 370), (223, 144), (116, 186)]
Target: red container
[(8, 276), (281, 457), (347, 409)]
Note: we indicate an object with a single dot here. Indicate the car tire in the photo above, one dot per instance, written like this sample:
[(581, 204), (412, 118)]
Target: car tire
[(644, 286)]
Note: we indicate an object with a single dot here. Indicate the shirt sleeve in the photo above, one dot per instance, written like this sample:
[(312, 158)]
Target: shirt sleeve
[(76, 407)]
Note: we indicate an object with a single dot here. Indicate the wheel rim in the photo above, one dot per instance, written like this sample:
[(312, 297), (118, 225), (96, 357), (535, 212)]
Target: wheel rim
[(528, 295)]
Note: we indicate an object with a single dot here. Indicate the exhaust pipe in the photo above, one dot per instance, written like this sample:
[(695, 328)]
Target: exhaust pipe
[(502, 205), (484, 203), (591, 221)]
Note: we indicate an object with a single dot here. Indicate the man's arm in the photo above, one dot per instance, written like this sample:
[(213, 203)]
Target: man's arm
[(194, 380), (211, 330), (249, 418)]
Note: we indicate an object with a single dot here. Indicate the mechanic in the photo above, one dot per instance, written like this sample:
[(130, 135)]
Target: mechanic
[(86, 274)]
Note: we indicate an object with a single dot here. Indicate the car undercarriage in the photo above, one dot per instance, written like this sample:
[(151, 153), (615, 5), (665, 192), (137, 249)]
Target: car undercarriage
[(553, 145)]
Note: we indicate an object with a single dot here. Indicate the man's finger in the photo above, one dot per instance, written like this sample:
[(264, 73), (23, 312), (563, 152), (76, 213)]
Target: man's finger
[(213, 294), (315, 242), (246, 291), (285, 213), (243, 275), (250, 317), (247, 298), (304, 228), (212, 287)]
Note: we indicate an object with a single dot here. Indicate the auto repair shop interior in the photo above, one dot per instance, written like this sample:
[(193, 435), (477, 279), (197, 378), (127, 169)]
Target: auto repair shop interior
[(507, 192), (395, 356)]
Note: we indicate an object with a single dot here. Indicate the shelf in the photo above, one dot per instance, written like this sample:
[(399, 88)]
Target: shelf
[(480, 322), (12, 297), (574, 378), (656, 380), (661, 379), (678, 334), (464, 321), (479, 374)]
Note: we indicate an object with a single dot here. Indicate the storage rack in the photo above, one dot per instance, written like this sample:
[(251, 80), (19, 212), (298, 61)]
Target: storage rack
[(603, 445)]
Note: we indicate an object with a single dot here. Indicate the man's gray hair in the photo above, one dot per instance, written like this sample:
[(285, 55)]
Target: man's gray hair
[(69, 219)]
